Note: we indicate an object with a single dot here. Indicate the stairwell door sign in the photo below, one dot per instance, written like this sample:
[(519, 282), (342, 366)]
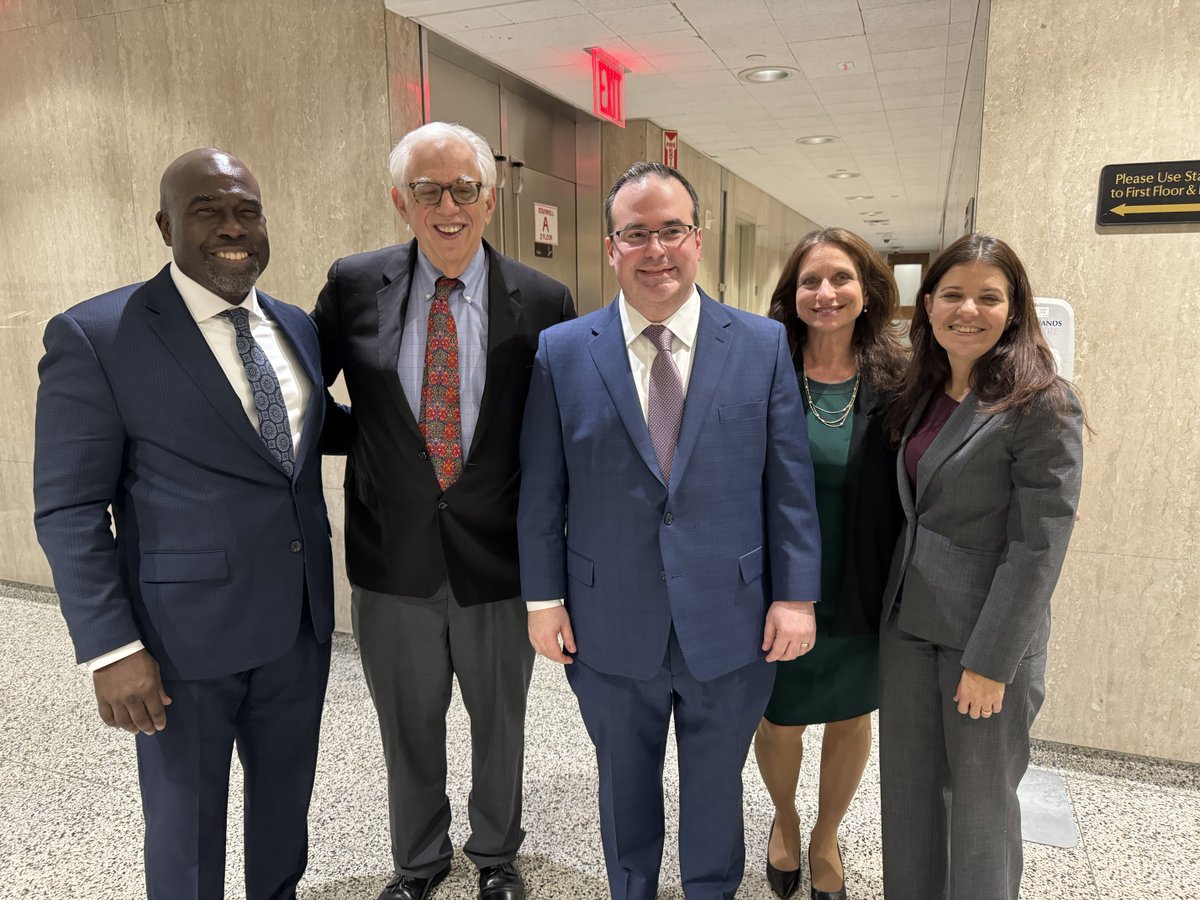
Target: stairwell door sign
[(545, 218)]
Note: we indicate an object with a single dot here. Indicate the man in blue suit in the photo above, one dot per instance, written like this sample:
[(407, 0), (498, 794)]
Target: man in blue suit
[(192, 406), (667, 497)]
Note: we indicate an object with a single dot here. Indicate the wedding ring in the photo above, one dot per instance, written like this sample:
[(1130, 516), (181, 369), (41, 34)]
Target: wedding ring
[(804, 643)]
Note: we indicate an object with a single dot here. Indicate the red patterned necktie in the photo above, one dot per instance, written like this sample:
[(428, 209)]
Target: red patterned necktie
[(441, 418)]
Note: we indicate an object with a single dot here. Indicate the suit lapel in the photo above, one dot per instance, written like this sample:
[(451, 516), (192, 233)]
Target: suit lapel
[(504, 314), (611, 357), (392, 303), (713, 337), (170, 320), (962, 424)]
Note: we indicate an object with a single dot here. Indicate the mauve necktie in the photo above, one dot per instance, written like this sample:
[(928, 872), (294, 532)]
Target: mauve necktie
[(441, 416), (273, 423), (664, 407)]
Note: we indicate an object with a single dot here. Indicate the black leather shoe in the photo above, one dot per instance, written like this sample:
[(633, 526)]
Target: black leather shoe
[(840, 893), (501, 882), (411, 887), (783, 883)]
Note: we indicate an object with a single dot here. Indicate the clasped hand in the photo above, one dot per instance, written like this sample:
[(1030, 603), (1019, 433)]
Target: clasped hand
[(130, 694)]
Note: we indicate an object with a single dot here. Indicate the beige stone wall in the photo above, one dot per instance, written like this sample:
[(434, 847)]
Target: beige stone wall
[(97, 97), (1073, 85)]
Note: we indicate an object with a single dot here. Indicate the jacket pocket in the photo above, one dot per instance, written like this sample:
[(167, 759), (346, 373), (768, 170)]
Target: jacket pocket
[(751, 565), (580, 568), (166, 566), (738, 411)]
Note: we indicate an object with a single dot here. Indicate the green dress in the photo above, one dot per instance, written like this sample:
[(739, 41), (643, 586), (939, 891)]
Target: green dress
[(839, 677)]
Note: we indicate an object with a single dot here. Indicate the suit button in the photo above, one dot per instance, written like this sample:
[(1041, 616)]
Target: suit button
[(442, 504), (295, 546), (662, 575), (668, 518), (423, 455)]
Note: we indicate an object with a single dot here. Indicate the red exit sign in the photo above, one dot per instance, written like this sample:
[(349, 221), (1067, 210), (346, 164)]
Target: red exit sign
[(608, 87)]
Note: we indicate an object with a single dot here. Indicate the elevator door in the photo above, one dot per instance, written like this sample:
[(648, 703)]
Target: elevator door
[(539, 191)]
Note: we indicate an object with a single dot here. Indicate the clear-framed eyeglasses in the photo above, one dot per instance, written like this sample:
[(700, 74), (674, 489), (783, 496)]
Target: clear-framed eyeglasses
[(429, 193), (668, 235)]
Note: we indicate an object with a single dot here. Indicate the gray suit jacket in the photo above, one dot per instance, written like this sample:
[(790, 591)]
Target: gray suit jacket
[(986, 531)]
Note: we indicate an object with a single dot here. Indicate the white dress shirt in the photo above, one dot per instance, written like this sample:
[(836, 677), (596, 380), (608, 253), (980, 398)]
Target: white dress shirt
[(683, 324), (218, 332)]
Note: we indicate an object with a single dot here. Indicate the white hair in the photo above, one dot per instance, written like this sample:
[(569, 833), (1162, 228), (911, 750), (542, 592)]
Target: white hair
[(442, 131)]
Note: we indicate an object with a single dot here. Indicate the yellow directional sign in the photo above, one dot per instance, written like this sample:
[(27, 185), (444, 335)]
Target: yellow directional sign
[(1126, 210), (1153, 193)]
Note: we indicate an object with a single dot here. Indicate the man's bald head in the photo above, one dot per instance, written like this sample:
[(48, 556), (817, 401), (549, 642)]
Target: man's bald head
[(211, 216)]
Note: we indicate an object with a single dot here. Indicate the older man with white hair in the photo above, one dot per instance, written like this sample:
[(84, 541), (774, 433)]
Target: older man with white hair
[(436, 339)]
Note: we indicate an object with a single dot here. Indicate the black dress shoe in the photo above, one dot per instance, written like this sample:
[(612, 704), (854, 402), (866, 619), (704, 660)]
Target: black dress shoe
[(840, 893), (501, 882), (782, 882), (412, 887)]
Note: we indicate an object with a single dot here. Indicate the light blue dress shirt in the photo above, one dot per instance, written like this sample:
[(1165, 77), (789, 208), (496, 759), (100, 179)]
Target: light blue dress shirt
[(469, 306)]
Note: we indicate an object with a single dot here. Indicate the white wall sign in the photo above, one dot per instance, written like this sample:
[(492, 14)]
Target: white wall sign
[(545, 219), (1058, 325)]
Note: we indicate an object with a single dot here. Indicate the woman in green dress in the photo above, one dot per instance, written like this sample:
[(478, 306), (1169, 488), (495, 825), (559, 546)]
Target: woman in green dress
[(837, 299)]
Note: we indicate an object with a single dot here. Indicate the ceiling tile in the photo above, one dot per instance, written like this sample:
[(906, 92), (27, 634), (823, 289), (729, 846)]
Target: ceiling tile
[(904, 59), (911, 88), (961, 32), (648, 20), (820, 59), (832, 100), (843, 82), (817, 19), (455, 22), (963, 10), (907, 76), (926, 38), (666, 42), (699, 61), (711, 78), (537, 10), (908, 15)]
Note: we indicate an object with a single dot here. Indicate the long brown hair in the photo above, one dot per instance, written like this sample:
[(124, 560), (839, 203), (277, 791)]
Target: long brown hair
[(1015, 374), (878, 351)]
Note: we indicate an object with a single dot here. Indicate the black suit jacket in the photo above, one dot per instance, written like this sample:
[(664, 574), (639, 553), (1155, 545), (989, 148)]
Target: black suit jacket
[(874, 516), (403, 534)]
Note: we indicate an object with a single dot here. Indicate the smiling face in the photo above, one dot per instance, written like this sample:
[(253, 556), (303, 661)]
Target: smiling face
[(449, 234), (829, 292), (655, 280), (968, 312), (211, 217)]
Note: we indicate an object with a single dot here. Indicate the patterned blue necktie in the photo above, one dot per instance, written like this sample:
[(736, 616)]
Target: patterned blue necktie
[(273, 423)]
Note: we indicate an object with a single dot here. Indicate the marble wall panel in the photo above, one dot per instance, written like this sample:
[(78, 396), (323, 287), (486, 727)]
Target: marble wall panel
[(1123, 662), (1135, 293), (99, 96), (21, 557), (254, 79), (21, 14)]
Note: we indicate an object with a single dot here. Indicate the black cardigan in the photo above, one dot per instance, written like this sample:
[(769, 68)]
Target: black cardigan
[(874, 517)]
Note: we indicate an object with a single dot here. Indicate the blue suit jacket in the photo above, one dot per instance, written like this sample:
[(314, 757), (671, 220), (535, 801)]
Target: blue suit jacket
[(215, 546), (734, 529)]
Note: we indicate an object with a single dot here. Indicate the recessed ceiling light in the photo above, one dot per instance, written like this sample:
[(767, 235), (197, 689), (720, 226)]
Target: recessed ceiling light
[(766, 74), (813, 139), (857, 197), (877, 221), (842, 174), (871, 212)]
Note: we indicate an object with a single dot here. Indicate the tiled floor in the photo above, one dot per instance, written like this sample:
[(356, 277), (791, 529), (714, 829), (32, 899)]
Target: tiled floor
[(70, 825)]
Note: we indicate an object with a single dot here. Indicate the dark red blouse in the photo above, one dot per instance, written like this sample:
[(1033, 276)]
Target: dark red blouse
[(938, 411)]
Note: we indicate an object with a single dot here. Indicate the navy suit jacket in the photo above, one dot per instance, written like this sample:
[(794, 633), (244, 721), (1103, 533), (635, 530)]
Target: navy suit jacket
[(216, 548), (734, 529)]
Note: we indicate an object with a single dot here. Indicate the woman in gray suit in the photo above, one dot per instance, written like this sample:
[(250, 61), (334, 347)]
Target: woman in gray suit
[(989, 473)]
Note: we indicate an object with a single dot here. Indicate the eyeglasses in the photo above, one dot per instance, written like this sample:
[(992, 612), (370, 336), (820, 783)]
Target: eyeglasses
[(429, 193), (668, 235)]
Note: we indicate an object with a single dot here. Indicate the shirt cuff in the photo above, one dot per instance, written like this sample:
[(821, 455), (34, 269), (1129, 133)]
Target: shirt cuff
[(535, 605), (113, 656)]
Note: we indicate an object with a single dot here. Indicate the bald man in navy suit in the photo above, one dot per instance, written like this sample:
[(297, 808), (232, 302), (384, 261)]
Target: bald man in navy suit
[(192, 407)]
